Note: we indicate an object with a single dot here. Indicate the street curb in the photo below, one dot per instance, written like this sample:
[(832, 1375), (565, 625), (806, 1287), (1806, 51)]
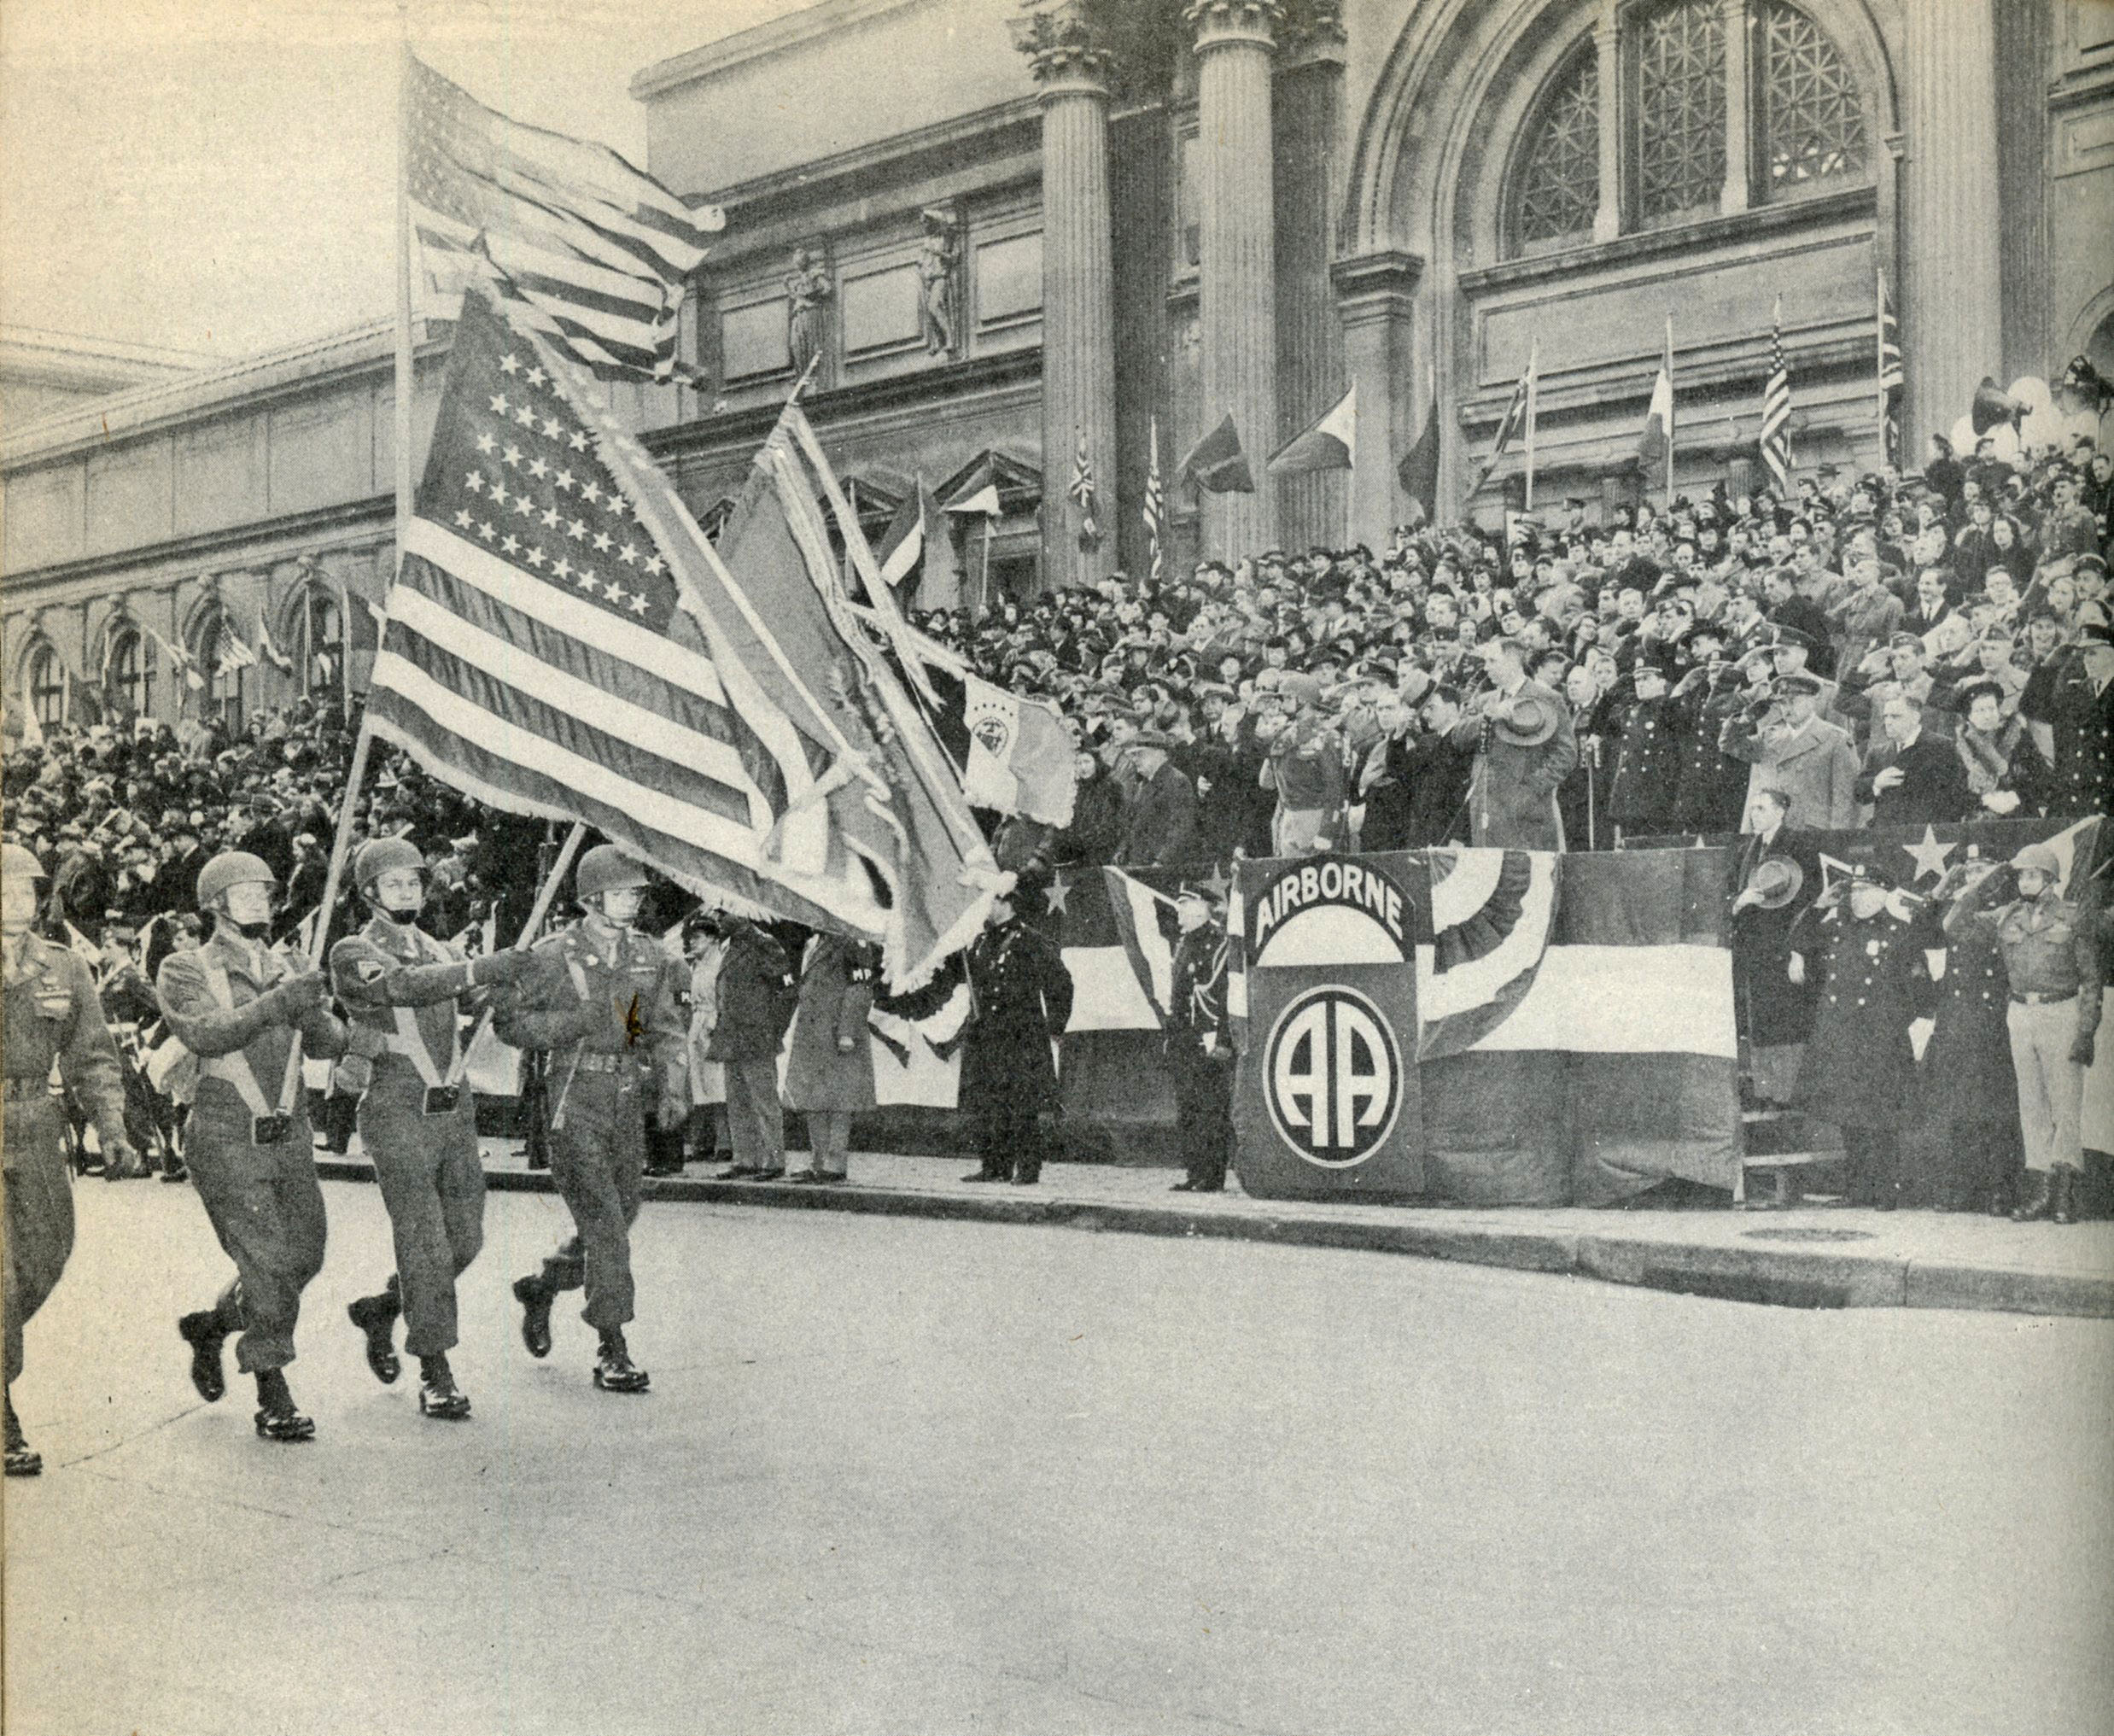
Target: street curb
[(1781, 1277)]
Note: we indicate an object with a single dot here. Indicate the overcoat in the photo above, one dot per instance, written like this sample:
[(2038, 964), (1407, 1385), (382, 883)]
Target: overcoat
[(836, 995), (1020, 1001)]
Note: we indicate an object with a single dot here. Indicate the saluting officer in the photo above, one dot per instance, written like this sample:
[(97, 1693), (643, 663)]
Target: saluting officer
[(1020, 1001), (403, 994), (238, 1006), (1860, 1067), (2052, 958), (52, 1015), (609, 1006), (1199, 1048), (1647, 769)]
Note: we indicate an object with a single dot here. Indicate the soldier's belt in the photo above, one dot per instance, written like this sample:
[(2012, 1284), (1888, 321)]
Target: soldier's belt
[(2038, 997), (442, 1100), (622, 1062), (269, 1129)]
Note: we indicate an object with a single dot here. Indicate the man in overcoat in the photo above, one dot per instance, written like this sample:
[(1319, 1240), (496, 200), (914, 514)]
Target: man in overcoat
[(1524, 746), (829, 1067), (1020, 1002)]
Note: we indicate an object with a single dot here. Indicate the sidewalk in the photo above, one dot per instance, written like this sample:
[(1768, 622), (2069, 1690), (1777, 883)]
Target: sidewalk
[(1816, 1256)]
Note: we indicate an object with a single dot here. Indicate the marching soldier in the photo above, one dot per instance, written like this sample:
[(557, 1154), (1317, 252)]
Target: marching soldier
[(239, 1006), (1199, 1048), (1021, 996), (609, 1006), (404, 993), (52, 1015), (2052, 959)]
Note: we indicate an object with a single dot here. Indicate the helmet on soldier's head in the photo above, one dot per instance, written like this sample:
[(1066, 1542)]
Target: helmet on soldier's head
[(381, 856), (605, 869), (17, 862), (2039, 859), (232, 868)]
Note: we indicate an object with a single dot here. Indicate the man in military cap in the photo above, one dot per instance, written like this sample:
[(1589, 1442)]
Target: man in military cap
[(1020, 1000), (609, 1006), (1199, 1040), (404, 995), (240, 1006), (52, 1014), (2051, 948), (1648, 761), (1791, 748), (2069, 708)]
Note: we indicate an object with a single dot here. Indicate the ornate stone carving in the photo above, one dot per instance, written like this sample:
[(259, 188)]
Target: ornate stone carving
[(809, 291), (1224, 21), (939, 282), (1061, 44)]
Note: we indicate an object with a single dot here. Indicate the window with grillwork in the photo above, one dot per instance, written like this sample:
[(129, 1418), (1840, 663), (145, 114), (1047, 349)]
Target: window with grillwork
[(47, 687), (1557, 185), (1678, 57), (1812, 124)]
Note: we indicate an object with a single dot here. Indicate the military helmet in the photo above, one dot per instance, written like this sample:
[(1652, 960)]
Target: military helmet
[(605, 869), (232, 868), (381, 856), (2038, 858), (18, 861)]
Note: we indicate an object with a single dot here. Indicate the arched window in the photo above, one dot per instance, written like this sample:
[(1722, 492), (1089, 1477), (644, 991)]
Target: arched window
[(1812, 124), (1556, 188), (1802, 121), (47, 687), (225, 660), (131, 682), (322, 643)]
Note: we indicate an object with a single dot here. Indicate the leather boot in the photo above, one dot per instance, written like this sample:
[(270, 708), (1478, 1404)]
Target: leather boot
[(2037, 1202), (277, 1419), (535, 1314), (2064, 1204), (376, 1316), (438, 1397), (22, 1458), (201, 1331), (614, 1370)]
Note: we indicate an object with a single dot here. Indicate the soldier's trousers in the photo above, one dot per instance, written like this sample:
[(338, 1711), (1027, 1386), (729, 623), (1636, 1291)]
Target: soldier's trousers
[(266, 1208), (39, 1193), (2051, 1085), (1203, 1091), (433, 1185), (598, 1163), (756, 1119)]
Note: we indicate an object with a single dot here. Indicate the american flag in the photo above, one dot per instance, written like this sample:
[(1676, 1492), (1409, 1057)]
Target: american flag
[(1889, 378), (589, 252), (562, 641), (1515, 414), (1776, 409), (1081, 493), (1155, 508)]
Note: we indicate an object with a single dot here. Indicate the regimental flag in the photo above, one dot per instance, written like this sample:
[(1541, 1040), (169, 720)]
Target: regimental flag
[(1082, 494), (1218, 464), (1146, 929), (1507, 426), (909, 535), (1776, 410), (278, 659), (1418, 472), (1655, 444), (1154, 511), (591, 254), (1329, 442), (562, 641), (1012, 754), (1889, 378)]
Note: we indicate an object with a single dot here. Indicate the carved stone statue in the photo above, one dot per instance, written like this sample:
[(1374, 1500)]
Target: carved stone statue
[(939, 291), (807, 291)]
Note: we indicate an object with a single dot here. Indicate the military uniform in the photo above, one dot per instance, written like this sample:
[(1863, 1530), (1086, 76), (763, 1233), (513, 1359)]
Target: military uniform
[(1020, 996), (417, 1121), (609, 1009), (2080, 717), (232, 1003), (1200, 1057), (1859, 1068), (53, 1016), (1647, 767)]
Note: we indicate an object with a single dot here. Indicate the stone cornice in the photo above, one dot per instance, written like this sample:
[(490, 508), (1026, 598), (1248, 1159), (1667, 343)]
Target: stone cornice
[(1381, 275), (809, 24)]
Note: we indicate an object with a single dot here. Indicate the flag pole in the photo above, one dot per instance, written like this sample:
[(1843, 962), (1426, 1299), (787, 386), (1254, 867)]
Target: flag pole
[(406, 383), (541, 909), (1673, 398), (1534, 407)]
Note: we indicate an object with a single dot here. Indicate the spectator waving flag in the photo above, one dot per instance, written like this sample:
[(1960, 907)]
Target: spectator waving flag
[(562, 641), (1154, 511), (1776, 410), (1890, 375), (592, 255)]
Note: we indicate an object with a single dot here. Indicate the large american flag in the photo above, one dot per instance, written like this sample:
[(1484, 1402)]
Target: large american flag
[(1890, 375), (592, 254), (546, 652), (1155, 508), (1776, 409)]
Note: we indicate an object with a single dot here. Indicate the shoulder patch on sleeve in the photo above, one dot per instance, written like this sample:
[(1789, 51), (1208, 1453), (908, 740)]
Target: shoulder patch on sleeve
[(369, 970)]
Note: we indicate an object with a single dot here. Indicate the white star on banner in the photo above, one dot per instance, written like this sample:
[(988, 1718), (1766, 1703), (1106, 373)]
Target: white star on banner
[(552, 427), (587, 581), (525, 416), (462, 519), (564, 480), (629, 554), (537, 376), (549, 518), (474, 483), (511, 456), (499, 404), (561, 569), (577, 440), (576, 529), (591, 492), (539, 467), (486, 442), (485, 529), (639, 603), (603, 542), (509, 364), (1929, 855), (510, 545), (535, 558)]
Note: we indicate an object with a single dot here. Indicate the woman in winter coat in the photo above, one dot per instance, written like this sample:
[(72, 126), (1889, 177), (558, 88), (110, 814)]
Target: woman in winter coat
[(829, 1070), (707, 942)]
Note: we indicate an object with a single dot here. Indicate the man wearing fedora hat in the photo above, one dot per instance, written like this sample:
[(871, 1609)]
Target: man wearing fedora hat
[(1775, 874), (1160, 826), (1525, 746)]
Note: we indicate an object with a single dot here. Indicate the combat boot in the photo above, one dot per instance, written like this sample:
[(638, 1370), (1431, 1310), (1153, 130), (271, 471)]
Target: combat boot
[(277, 1419), (2037, 1203), (375, 1315), (2063, 1206), (613, 1368), (438, 1397), (535, 1316), (22, 1460), (203, 1333)]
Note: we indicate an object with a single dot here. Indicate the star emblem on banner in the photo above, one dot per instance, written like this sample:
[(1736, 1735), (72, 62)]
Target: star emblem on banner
[(1929, 855), (1055, 894)]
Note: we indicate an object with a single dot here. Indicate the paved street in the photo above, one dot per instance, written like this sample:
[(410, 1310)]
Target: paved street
[(904, 1475)]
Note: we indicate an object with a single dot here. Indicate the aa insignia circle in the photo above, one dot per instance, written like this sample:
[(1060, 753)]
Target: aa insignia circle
[(1332, 1076)]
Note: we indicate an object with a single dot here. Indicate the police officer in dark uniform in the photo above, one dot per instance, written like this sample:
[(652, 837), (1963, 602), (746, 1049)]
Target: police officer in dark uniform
[(608, 1005), (1020, 1001), (1199, 1043), (1860, 1068), (1648, 762), (2069, 702), (404, 994), (53, 1015), (239, 1006)]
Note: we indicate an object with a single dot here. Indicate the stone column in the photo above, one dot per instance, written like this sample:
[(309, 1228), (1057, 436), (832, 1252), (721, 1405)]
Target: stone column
[(1951, 299), (1608, 64), (1308, 121), (1738, 152), (1375, 297), (1071, 73), (1236, 271)]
